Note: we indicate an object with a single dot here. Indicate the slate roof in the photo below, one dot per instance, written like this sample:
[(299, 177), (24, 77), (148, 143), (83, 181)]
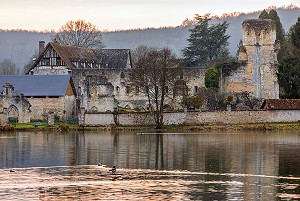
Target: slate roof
[(113, 58), (37, 85), (281, 104)]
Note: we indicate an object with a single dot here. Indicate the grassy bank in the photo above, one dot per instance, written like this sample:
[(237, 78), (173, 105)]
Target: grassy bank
[(61, 126)]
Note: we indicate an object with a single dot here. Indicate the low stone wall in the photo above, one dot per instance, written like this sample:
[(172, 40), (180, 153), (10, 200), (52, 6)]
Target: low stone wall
[(195, 118), (41, 107), (92, 119)]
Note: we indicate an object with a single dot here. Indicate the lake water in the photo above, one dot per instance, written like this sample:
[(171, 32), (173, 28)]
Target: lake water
[(150, 166)]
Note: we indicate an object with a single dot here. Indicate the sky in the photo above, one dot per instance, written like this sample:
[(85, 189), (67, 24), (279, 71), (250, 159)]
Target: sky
[(119, 14)]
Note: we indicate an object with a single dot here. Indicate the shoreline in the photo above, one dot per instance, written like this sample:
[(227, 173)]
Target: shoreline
[(208, 127)]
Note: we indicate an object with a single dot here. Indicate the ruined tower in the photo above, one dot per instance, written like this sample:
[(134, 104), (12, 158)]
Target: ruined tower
[(258, 58)]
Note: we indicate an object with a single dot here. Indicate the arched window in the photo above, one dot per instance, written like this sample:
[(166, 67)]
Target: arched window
[(118, 89), (122, 75), (181, 76), (13, 113), (166, 89), (196, 89), (127, 90), (137, 90), (167, 107), (94, 109)]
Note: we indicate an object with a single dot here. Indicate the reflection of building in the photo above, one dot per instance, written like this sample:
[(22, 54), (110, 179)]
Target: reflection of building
[(44, 94)]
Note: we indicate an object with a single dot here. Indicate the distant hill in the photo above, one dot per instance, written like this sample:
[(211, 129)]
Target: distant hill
[(20, 45)]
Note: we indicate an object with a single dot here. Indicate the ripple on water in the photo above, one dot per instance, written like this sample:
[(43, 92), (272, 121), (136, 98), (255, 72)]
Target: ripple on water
[(97, 183)]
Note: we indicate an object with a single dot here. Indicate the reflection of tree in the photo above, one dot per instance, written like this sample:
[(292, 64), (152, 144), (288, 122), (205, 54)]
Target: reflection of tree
[(159, 152), (116, 144), (75, 154)]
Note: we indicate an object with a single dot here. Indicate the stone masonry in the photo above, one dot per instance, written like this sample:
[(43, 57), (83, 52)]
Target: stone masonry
[(258, 52)]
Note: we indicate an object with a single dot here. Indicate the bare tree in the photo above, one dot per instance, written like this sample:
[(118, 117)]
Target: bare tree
[(249, 100), (155, 75), (29, 63), (8, 67), (79, 33), (140, 52)]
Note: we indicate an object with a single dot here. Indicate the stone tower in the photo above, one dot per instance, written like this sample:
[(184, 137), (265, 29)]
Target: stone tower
[(258, 58)]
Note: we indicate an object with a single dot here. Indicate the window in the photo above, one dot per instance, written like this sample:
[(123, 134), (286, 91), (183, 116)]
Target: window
[(181, 76), (127, 90), (166, 89), (58, 61), (118, 89), (94, 109), (137, 90), (122, 75), (196, 89)]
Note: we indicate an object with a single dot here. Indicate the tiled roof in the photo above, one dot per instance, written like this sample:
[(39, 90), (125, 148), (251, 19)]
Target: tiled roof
[(73, 53), (107, 58), (281, 104), (37, 85)]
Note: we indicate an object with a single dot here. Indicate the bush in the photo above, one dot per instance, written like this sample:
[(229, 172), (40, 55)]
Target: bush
[(63, 127), (8, 127)]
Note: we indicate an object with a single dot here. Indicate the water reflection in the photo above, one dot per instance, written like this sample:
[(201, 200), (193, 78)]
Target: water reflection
[(234, 165)]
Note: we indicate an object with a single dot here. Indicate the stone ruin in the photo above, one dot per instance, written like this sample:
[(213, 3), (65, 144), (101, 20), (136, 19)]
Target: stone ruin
[(257, 56)]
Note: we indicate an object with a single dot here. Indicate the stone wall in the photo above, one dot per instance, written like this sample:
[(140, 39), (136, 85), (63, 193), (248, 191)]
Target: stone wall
[(16, 107), (3, 119), (62, 107), (103, 119), (258, 51), (195, 79), (196, 118)]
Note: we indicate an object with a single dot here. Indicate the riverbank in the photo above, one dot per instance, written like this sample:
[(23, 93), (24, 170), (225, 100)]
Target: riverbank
[(170, 128)]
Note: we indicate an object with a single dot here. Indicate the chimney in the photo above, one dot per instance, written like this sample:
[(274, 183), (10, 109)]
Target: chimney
[(41, 47)]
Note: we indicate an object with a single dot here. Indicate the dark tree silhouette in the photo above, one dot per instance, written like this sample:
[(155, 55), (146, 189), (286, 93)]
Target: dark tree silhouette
[(280, 33), (289, 67), (207, 42), (153, 74)]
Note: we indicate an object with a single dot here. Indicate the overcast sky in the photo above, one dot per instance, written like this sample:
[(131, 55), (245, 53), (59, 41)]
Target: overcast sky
[(119, 14)]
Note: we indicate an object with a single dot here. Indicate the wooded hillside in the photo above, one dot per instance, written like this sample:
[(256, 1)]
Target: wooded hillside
[(20, 45)]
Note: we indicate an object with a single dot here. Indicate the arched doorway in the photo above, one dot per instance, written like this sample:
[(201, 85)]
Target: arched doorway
[(12, 114)]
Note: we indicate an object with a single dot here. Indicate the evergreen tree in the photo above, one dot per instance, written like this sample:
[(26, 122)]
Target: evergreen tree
[(264, 15), (295, 34), (212, 78), (280, 33), (289, 68), (207, 42)]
